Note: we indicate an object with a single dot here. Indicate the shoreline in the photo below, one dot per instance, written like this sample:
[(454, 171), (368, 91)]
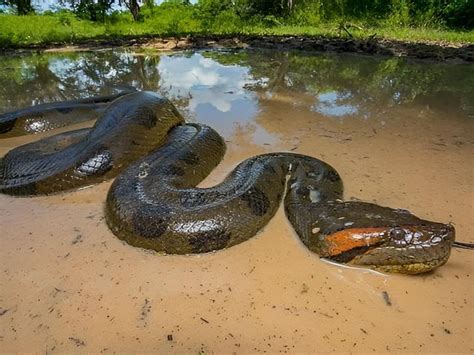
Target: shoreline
[(431, 50)]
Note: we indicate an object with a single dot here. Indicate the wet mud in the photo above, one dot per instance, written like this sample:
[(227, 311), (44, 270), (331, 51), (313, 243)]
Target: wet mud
[(69, 285)]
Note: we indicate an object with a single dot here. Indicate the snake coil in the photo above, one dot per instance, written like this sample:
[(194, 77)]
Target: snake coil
[(154, 202)]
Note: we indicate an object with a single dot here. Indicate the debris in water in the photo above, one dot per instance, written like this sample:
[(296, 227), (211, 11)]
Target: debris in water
[(77, 341), (3, 311), (78, 239), (386, 298), (146, 308)]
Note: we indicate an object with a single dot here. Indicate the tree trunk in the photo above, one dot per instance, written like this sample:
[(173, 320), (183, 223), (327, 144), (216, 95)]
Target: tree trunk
[(103, 6), (134, 8), (290, 5), (23, 7)]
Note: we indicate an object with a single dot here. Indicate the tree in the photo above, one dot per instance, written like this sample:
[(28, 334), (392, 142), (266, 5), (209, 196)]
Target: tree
[(22, 7), (94, 10), (212, 8), (263, 7), (133, 6)]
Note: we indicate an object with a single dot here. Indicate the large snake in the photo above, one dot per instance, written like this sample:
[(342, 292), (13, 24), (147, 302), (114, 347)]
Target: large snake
[(45, 117), (154, 202)]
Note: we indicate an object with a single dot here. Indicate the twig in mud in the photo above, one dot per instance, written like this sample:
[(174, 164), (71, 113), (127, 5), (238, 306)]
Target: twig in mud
[(77, 341), (386, 298)]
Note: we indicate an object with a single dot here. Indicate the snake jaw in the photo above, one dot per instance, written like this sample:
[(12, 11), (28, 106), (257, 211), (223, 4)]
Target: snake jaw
[(349, 239), (346, 245)]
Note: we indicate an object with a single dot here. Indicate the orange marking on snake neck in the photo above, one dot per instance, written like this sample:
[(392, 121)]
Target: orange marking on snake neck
[(348, 239)]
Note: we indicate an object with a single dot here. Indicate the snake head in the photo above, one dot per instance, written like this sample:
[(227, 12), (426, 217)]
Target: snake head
[(384, 239), (409, 249)]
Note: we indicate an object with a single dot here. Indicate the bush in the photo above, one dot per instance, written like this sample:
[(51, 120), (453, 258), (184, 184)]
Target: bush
[(459, 14)]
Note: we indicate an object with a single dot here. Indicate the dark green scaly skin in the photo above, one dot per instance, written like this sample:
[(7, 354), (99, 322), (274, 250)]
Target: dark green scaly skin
[(155, 204), (48, 116), (130, 128)]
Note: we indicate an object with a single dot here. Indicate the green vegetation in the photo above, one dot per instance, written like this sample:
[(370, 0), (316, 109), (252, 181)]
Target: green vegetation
[(413, 20)]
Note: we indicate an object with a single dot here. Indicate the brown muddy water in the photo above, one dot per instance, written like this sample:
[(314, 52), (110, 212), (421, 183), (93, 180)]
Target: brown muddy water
[(400, 133)]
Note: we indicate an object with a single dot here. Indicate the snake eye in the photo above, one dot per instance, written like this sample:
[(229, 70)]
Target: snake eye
[(397, 234)]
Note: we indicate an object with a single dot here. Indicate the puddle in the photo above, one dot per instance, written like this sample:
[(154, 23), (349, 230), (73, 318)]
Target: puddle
[(399, 132)]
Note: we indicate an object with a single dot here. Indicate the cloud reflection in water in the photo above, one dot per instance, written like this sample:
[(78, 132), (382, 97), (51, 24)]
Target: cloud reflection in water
[(332, 104), (217, 93)]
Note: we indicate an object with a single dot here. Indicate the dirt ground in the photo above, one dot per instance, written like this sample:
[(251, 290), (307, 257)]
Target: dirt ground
[(68, 284)]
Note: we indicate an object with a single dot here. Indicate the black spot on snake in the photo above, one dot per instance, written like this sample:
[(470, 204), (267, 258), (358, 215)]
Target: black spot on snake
[(257, 201), (190, 158), (302, 191), (332, 176), (203, 242), (148, 117), (269, 168), (174, 170), (192, 199), (152, 224)]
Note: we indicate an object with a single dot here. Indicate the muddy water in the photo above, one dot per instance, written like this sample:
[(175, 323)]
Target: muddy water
[(400, 134)]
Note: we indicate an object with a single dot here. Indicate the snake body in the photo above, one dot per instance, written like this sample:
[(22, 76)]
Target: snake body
[(127, 130), (154, 202), (45, 117)]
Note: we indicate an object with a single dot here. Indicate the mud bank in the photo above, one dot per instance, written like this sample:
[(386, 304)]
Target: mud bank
[(433, 50)]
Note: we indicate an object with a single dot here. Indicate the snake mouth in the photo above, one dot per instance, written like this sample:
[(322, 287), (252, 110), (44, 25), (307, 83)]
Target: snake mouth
[(411, 249), (6, 123), (347, 256)]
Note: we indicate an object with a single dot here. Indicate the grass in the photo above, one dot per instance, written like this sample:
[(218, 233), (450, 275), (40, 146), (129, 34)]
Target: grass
[(64, 27), (19, 31)]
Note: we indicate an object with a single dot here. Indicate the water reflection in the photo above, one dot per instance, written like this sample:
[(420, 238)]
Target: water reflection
[(205, 81), (332, 104), (216, 92), (226, 89)]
